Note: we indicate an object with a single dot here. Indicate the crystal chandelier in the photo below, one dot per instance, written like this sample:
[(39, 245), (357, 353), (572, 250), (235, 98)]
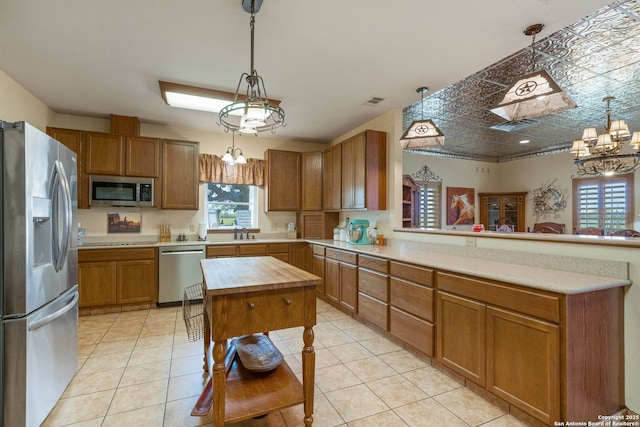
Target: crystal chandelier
[(233, 154), (603, 154), (258, 113)]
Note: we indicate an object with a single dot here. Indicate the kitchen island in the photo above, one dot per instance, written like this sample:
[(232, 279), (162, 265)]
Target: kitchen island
[(255, 295)]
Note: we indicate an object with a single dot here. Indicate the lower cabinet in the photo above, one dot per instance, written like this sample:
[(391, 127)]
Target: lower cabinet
[(341, 278), (117, 277), (373, 290), (411, 306), (318, 266)]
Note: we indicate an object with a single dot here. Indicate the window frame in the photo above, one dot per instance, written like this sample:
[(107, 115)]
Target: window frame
[(601, 182), (253, 203), (422, 209)]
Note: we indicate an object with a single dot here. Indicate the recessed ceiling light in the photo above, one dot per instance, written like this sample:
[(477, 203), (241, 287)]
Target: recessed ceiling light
[(525, 141)]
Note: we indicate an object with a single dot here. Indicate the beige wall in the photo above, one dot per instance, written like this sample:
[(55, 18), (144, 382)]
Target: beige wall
[(18, 104)]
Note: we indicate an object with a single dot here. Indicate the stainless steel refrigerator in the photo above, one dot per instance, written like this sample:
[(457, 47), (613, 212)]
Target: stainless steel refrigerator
[(39, 280)]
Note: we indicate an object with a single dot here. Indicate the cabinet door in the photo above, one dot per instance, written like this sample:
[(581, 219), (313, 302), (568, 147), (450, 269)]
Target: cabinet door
[(317, 268), (180, 175), (311, 181), (97, 283), (300, 255), (332, 280), (142, 157), (103, 154), (523, 364), (359, 171), (332, 178), (282, 180), (136, 281), (465, 352), (348, 173), (349, 286), (73, 139)]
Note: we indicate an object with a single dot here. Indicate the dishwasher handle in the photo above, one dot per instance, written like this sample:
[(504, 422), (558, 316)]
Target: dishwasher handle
[(183, 252)]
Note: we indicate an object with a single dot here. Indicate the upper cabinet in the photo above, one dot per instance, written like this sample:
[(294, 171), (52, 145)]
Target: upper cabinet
[(332, 178), (500, 209), (110, 154), (363, 174), (180, 175), (72, 138), (311, 181), (282, 180)]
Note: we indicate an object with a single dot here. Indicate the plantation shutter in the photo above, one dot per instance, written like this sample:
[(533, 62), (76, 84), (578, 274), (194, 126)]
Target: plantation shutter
[(603, 202), (429, 204)]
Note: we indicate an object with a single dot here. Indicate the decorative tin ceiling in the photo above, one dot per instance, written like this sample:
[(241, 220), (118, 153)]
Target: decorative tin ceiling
[(596, 57)]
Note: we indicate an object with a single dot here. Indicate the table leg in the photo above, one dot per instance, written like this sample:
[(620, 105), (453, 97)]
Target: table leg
[(207, 343), (308, 374), (219, 381)]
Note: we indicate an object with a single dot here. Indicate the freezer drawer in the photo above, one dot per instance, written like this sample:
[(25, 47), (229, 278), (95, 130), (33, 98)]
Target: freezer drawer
[(40, 359)]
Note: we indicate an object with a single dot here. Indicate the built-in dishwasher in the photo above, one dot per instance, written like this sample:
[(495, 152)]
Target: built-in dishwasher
[(178, 267)]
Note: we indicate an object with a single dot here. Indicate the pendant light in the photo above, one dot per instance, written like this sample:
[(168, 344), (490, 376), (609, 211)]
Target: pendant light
[(258, 113), (532, 95), (233, 154), (422, 133)]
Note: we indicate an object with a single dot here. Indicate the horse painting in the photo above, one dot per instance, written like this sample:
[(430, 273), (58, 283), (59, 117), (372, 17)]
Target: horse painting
[(462, 210)]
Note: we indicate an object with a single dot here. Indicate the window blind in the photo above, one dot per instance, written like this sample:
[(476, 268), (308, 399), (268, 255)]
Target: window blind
[(603, 202), (429, 204)]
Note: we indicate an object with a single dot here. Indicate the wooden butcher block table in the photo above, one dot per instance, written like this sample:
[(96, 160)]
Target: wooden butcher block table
[(254, 295)]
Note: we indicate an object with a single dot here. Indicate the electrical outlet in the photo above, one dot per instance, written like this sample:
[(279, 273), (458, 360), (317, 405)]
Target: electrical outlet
[(470, 241)]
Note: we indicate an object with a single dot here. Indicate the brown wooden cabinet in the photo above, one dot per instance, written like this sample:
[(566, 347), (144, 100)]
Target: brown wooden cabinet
[(142, 157), (373, 290), (498, 209), (318, 266), (364, 171), (411, 298), (103, 154), (311, 181), (332, 178), (73, 139), (410, 207), (282, 180), (180, 180), (341, 278), (111, 278), (317, 225)]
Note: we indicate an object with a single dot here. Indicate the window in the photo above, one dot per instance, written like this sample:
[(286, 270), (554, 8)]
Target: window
[(429, 204), (231, 205), (603, 202)]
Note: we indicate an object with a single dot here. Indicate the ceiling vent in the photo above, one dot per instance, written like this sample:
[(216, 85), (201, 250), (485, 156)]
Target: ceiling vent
[(514, 125), (374, 101)]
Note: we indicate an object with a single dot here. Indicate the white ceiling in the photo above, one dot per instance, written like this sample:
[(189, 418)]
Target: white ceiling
[(322, 59)]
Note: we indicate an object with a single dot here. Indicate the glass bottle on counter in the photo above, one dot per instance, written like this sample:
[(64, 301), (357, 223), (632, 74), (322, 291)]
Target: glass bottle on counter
[(343, 231)]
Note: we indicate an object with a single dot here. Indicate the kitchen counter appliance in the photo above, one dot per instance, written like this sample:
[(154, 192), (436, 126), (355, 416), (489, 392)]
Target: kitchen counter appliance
[(357, 232), (39, 273), (178, 268)]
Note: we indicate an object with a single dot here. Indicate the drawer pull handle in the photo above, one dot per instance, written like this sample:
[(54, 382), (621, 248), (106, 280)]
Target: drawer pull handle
[(287, 301), (251, 305)]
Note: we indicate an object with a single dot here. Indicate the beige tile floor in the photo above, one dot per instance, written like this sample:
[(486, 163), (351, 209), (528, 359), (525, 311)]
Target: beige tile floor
[(139, 369)]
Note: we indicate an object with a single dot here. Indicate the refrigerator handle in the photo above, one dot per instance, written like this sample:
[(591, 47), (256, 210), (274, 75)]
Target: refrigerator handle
[(61, 243), (53, 316)]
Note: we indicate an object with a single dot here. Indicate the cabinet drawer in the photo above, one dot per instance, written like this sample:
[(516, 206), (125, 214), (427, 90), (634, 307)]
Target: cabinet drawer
[(318, 250), (412, 330), (255, 312), (535, 303), (121, 254), (252, 249), (373, 310), (421, 275), (376, 264), (220, 251), (344, 256), (278, 248), (374, 284), (412, 298)]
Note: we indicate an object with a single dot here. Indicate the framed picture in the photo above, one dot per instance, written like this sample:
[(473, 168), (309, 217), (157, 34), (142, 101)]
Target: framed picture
[(461, 205), (123, 222)]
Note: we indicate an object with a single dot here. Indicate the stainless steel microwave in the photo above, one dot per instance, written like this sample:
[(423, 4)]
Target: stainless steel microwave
[(121, 191)]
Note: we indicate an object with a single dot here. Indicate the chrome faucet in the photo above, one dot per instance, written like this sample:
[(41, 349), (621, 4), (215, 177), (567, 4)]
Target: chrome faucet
[(244, 230)]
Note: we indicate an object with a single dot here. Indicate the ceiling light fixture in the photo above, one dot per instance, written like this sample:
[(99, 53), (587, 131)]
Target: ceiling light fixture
[(535, 94), (233, 154), (602, 154), (257, 112), (422, 133)]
